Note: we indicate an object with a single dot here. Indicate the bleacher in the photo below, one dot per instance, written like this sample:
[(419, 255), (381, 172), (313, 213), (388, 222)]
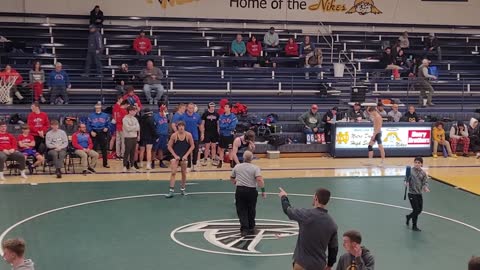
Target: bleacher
[(197, 67)]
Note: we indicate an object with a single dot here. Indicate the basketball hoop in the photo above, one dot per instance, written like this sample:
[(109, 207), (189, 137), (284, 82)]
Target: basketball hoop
[(6, 83)]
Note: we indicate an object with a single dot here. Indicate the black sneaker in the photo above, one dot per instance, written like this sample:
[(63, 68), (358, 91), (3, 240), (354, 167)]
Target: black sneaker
[(30, 168), (220, 164), (415, 228), (91, 169), (106, 166), (59, 173), (85, 172), (135, 165)]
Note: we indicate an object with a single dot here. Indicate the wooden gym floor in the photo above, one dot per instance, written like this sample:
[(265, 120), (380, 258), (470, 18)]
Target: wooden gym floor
[(461, 172)]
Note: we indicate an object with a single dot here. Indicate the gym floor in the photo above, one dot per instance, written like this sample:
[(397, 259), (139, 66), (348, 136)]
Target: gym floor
[(105, 221)]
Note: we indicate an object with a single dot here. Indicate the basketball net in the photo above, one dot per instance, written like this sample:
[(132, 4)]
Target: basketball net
[(6, 83)]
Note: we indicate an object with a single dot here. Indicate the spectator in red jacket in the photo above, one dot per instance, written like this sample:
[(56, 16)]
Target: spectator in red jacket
[(132, 98), (39, 124), (142, 44), (8, 151), (119, 112), (83, 145), (291, 48), (9, 75), (254, 47)]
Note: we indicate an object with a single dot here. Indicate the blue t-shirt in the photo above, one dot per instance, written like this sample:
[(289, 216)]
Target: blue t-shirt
[(161, 124), (191, 124), (177, 118)]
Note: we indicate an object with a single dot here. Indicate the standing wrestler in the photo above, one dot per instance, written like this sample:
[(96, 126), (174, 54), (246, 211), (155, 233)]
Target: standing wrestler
[(377, 133)]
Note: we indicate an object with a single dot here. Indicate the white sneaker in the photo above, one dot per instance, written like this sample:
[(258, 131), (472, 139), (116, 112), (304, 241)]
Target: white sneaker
[(204, 162), (124, 170), (140, 164), (478, 155), (2, 177), (23, 175), (149, 167)]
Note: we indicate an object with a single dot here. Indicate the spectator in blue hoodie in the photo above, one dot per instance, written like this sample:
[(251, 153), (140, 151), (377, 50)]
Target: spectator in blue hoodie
[(193, 123), (161, 127), (227, 123), (94, 51), (98, 124), (58, 82)]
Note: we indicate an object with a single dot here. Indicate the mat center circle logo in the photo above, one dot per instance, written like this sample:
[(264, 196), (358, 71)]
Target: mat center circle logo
[(223, 237)]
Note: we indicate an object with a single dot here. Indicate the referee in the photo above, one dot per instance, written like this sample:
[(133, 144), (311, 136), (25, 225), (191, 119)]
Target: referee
[(246, 177), (317, 232)]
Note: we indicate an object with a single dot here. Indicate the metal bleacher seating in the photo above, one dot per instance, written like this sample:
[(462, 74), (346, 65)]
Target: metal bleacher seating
[(197, 67)]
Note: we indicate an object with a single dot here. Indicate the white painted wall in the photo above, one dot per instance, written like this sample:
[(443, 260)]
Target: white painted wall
[(393, 11)]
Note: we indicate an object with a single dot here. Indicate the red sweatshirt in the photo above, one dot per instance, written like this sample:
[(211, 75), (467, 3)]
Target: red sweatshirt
[(38, 122), (7, 141), (133, 99), (118, 114), (25, 139), (254, 49), (12, 72), (291, 49), (142, 45)]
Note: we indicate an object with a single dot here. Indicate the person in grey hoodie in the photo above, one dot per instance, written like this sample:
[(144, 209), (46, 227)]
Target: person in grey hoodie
[(271, 38), (311, 120), (94, 51), (131, 135), (57, 143), (357, 257), (151, 76), (14, 254)]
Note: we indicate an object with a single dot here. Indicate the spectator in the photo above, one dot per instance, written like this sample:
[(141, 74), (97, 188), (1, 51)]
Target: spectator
[(193, 124), (39, 124), (147, 137), (311, 120), (357, 256), (381, 110), (161, 128), (403, 41), (431, 47), (26, 146), (96, 17), (387, 61), (356, 114), (70, 126), (14, 252), (291, 48), (123, 79), (178, 116), (439, 138), (238, 49), (142, 44), (83, 145), (401, 59), (119, 112), (474, 263), (411, 115), (98, 124), (226, 124), (94, 51), (210, 126), (58, 82), (474, 135), (151, 78), (254, 47), (131, 133), (271, 39), (57, 143), (459, 135), (423, 83), (37, 79), (394, 114), (238, 46), (132, 98), (313, 56), (329, 119), (9, 74), (8, 151)]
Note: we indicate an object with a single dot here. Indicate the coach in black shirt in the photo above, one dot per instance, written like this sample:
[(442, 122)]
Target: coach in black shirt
[(317, 232)]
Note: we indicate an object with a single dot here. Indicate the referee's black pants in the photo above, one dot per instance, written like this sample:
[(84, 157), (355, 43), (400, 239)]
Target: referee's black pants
[(246, 203), (416, 201)]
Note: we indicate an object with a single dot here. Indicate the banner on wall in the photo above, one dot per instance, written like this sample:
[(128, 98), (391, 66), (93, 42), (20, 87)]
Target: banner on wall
[(361, 7)]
